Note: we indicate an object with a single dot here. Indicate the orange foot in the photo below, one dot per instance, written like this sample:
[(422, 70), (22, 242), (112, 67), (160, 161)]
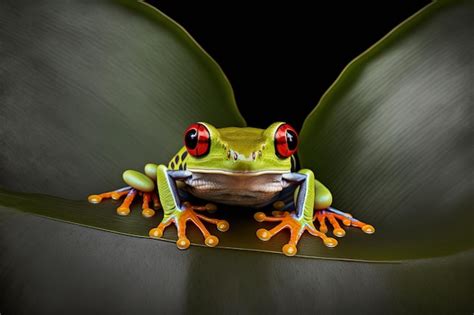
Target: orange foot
[(180, 217), (130, 193), (332, 215), (296, 226)]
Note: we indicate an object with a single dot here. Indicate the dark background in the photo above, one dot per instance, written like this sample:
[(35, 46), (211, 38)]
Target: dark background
[(280, 58)]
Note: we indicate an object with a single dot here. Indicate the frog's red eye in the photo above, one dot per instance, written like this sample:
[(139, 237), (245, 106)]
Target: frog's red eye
[(286, 141), (197, 140)]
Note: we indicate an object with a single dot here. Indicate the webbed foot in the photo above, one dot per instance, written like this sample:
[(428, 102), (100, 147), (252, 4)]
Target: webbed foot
[(296, 226), (130, 194), (333, 215), (181, 217)]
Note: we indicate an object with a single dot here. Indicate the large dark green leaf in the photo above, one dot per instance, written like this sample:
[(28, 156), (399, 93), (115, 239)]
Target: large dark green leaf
[(84, 117), (91, 88), (51, 268), (392, 138)]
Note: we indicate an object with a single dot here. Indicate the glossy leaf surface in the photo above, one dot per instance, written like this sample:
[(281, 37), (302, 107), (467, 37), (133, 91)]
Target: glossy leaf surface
[(371, 141), (392, 137), (91, 88)]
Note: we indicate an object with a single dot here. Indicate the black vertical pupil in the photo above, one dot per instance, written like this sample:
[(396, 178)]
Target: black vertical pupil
[(191, 138), (291, 139)]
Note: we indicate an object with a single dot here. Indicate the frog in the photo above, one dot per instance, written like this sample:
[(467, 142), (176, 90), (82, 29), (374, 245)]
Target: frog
[(238, 166)]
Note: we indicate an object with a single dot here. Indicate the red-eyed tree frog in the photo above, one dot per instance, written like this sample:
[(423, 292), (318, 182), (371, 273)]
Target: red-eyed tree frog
[(237, 166)]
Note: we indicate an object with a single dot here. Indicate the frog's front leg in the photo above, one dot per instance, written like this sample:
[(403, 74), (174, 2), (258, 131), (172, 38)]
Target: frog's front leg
[(297, 222), (180, 213), (322, 212)]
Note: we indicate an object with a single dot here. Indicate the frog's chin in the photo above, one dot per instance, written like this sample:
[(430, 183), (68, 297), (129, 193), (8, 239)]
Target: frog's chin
[(252, 189)]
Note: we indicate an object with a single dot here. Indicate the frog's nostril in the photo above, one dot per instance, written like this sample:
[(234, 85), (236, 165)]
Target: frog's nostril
[(236, 156)]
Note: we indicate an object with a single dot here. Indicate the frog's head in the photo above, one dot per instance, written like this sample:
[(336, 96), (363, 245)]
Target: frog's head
[(234, 150)]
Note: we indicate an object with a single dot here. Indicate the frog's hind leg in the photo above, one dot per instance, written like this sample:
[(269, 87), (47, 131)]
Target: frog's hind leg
[(147, 212), (139, 184), (333, 215), (323, 213), (124, 208), (114, 194)]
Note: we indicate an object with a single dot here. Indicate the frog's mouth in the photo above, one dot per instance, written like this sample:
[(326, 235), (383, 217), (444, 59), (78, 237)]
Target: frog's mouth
[(238, 188), (236, 173)]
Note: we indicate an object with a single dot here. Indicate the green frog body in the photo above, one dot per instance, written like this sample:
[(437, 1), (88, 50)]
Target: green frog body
[(249, 167)]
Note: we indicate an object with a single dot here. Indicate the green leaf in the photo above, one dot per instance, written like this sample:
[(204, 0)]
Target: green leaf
[(91, 88), (124, 89), (392, 138), (52, 268)]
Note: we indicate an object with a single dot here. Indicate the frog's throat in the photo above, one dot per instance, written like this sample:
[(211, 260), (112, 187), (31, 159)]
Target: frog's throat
[(239, 188), (236, 173)]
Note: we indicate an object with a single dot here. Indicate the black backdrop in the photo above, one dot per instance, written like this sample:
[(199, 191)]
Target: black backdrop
[(281, 57)]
